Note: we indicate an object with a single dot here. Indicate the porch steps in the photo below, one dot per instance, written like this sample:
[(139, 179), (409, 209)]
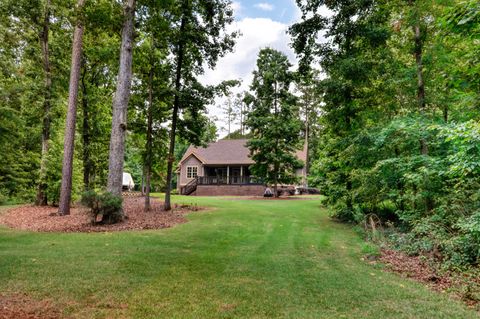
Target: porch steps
[(190, 187)]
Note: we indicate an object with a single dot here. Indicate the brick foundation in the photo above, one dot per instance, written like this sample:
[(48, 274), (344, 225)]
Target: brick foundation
[(230, 190)]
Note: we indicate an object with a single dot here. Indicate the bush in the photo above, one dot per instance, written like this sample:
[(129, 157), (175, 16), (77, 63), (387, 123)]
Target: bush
[(3, 198), (103, 204), (432, 200)]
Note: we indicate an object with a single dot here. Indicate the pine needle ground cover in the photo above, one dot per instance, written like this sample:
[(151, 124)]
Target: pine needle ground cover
[(240, 259)]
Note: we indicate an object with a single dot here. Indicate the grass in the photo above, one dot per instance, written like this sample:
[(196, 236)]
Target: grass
[(242, 259)]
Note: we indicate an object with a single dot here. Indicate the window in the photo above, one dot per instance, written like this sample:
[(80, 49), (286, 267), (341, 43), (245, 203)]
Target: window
[(192, 171)]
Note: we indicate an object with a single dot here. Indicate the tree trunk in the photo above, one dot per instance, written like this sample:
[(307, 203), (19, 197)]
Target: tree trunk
[(149, 151), (69, 141), (241, 118), (429, 202), (230, 111), (421, 87), (307, 145), (142, 190), (120, 103), (275, 180), (349, 201), (86, 137), (420, 77), (445, 113), (419, 62), (176, 106), (42, 186)]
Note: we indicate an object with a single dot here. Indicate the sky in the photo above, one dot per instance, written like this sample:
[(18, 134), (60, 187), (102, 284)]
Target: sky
[(262, 24)]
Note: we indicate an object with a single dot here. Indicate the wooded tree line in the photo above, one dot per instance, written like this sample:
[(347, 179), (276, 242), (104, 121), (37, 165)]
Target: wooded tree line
[(140, 59), (399, 127)]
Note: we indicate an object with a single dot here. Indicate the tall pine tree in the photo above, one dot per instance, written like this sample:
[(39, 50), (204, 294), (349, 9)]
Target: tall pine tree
[(198, 39), (273, 120)]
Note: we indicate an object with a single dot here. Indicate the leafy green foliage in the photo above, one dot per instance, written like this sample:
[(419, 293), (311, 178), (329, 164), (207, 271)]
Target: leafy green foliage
[(22, 87), (97, 82), (370, 158), (54, 172), (103, 204), (393, 181), (273, 120)]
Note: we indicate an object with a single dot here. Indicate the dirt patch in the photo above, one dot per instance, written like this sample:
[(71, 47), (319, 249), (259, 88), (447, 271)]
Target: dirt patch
[(465, 286), (227, 307), (20, 306), (40, 219), (414, 267)]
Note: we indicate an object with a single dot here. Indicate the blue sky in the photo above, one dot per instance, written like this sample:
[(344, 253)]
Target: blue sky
[(279, 10)]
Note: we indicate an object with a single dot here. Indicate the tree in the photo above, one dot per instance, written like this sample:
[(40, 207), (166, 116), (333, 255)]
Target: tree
[(103, 26), (273, 121), (310, 104), (352, 57), (148, 146), (66, 188), (229, 112), (14, 168), (388, 68), (241, 108), (419, 31), (460, 29), (152, 93), (120, 103), (34, 37), (44, 43), (198, 38)]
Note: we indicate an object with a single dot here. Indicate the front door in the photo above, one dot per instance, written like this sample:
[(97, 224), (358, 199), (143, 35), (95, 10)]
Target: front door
[(221, 173), (235, 175)]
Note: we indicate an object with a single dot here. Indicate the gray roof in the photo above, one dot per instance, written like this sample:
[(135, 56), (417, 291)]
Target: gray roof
[(225, 152), (221, 152)]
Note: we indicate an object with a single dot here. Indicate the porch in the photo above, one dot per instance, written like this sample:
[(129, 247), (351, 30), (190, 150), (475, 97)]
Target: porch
[(227, 175), (224, 180), (228, 180)]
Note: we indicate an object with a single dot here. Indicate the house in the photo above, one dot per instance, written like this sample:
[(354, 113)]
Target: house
[(222, 168)]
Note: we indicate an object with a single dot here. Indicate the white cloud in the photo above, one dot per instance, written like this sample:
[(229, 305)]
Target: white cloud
[(237, 8), (265, 6), (257, 33)]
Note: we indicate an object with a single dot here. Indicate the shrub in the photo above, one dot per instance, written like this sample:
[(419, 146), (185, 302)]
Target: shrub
[(104, 204), (432, 200), (3, 198)]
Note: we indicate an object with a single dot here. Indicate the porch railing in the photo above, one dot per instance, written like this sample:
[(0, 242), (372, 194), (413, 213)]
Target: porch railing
[(189, 188), (231, 180)]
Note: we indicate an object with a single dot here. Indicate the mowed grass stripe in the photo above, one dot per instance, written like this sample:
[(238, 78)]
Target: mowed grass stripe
[(241, 259)]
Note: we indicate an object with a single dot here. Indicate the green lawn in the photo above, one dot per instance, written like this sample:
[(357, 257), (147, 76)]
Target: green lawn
[(242, 259)]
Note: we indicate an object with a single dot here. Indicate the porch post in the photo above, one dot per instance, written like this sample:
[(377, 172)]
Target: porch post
[(241, 175), (228, 174)]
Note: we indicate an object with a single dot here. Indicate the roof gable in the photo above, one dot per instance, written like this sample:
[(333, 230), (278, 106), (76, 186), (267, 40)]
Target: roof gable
[(189, 154)]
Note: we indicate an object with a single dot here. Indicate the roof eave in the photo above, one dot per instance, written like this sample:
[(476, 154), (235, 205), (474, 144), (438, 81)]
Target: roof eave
[(192, 154)]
